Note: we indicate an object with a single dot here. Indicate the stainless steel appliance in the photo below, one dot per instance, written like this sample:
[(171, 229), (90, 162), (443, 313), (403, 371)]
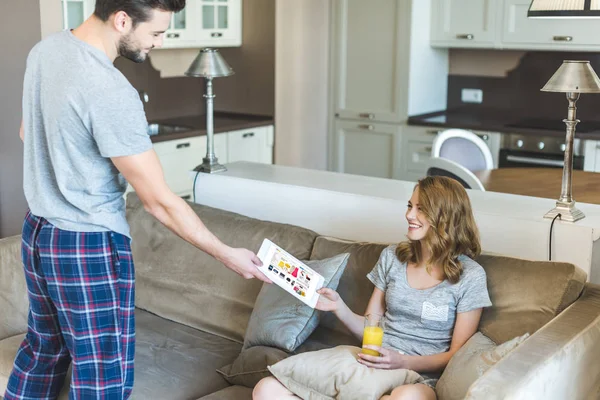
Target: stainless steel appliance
[(530, 151)]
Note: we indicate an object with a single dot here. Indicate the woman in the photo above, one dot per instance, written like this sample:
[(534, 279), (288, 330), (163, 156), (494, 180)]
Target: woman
[(429, 288)]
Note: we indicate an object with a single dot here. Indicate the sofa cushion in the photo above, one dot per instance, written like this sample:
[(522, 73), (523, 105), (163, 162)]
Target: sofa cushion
[(230, 393), (13, 289), (8, 352), (526, 294), (354, 288), (251, 365), (476, 356), (174, 361), (280, 320), (181, 283), (335, 374)]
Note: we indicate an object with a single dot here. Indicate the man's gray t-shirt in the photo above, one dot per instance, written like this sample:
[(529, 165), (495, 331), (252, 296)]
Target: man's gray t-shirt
[(78, 111), (421, 321)]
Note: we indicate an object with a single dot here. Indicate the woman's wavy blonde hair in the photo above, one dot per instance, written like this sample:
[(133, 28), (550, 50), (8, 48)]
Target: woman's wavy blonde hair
[(453, 231)]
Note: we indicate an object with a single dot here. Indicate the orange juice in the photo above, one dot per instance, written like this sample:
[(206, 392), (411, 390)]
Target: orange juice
[(372, 335)]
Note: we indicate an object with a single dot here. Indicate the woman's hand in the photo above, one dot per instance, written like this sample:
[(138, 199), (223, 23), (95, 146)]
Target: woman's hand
[(389, 359), (329, 300)]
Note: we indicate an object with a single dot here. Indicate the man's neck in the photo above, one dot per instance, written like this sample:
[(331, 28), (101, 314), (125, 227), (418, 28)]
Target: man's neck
[(95, 33)]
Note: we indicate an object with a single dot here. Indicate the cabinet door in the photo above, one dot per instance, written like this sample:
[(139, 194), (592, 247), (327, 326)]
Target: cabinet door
[(540, 33), (367, 67), (366, 149), (416, 152), (463, 23), (219, 23), (181, 32), (76, 11), (255, 145), (179, 157)]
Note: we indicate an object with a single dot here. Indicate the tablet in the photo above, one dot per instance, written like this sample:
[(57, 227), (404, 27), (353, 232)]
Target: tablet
[(289, 273)]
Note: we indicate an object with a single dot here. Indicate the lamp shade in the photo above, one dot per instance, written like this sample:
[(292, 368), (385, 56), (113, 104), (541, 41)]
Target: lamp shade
[(574, 77), (209, 64), (564, 9)]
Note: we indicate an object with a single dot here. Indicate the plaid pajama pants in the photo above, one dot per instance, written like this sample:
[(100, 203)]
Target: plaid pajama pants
[(81, 312)]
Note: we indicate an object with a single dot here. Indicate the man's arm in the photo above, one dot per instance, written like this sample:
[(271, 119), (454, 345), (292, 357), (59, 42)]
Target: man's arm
[(22, 132), (145, 174)]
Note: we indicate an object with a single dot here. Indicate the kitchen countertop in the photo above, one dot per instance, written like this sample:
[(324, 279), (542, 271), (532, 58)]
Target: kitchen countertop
[(223, 122), (505, 121)]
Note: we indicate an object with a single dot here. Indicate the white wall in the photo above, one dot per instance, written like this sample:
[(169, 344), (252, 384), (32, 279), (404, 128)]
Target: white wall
[(301, 82)]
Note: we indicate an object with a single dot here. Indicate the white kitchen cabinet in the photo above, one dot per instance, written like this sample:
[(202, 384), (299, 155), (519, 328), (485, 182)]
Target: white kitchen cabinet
[(520, 32), (181, 32), (416, 146), (383, 70), (503, 24), (255, 145), (366, 58), (74, 12), (463, 23), (206, 23), (180, 156), (591, 161), (367, 148), (415, 152)]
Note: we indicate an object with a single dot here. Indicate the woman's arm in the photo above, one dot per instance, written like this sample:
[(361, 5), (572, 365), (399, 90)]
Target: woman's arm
[(465, 326), (330, 300)]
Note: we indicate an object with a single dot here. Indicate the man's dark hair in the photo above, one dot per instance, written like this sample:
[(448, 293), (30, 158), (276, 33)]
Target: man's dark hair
[(138, 10)]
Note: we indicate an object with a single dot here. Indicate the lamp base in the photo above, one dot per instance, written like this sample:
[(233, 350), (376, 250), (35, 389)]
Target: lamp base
[(568, 212), (210, 166)]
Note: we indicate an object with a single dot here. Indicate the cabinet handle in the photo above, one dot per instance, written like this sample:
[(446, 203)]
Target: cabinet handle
[(434, 133), (247, 135), (367, 115), (183, 145), (428, 149), (367, 127), (186, 197), (172, 35), (216, 34), (465, 36), (562, 38)]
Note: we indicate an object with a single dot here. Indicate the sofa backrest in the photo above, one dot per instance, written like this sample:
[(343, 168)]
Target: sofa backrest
[(525, 294), (177, 281), (14, 303)]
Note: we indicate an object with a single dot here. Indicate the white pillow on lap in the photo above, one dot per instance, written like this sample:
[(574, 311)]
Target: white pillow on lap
[(336, 374)]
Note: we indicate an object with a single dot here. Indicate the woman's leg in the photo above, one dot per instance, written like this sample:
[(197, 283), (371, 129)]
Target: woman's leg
[(271, 389), (411, 392)]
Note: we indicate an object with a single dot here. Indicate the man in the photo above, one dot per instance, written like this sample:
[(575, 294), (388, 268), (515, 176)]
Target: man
[(84, 131)]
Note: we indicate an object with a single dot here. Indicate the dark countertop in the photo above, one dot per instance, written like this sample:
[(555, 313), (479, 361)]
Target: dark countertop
[(505, 121), (223, 122)]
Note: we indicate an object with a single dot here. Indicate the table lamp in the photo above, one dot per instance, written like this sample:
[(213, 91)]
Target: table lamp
[(572, 78), (208, 65)]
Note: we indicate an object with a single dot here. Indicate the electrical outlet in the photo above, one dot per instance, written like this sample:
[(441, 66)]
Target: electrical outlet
[(471, 96)]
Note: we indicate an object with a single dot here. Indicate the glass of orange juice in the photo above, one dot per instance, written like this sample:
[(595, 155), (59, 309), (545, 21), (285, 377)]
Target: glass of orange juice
[(373, 333)]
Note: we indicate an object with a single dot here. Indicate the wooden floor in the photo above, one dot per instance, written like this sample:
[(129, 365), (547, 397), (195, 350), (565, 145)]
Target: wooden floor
[(541, 182)]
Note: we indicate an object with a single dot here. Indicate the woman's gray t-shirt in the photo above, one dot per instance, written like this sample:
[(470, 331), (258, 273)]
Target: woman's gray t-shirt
[(421, 321)]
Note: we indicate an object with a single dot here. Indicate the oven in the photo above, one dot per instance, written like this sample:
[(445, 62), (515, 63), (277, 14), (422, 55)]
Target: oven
[(531, 151)]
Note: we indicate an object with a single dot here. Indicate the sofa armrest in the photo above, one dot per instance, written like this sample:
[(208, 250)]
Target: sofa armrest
[(559, 361), (14, 303)]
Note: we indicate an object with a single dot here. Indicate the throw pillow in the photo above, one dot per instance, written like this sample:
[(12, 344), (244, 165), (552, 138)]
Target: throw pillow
[(280, 320), (336, 374), (476, 356), (251, 365)]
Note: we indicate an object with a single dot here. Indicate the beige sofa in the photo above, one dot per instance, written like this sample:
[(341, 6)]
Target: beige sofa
[(192, 313)]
